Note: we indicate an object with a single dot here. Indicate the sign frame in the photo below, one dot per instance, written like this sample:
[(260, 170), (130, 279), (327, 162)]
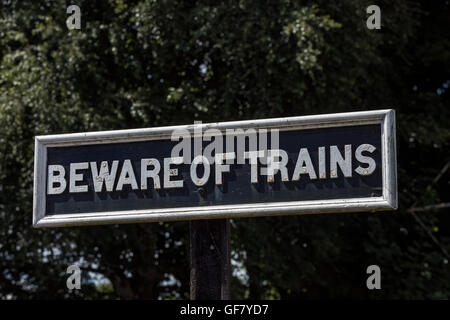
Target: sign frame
[(388, 200)]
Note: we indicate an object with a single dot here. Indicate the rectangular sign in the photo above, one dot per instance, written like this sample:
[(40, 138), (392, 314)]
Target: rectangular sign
[(311, 164)]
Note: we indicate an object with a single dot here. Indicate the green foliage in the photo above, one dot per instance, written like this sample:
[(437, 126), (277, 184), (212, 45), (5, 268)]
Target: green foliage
[(153, 63)]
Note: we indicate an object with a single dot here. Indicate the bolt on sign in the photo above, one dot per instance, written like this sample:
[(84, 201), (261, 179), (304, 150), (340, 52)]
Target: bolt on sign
[(343, 162)]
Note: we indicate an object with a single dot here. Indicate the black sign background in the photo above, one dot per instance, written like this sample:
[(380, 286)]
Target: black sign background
[(237, 188)]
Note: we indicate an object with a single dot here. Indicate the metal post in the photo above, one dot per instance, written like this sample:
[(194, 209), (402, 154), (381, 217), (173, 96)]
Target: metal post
[(210, 259)]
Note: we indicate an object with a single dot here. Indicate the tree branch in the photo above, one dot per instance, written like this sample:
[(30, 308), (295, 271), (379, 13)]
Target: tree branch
[(413, 209), (430, 207)]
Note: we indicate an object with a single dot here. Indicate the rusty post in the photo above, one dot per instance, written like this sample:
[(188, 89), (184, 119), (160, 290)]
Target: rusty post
[(210, 259)]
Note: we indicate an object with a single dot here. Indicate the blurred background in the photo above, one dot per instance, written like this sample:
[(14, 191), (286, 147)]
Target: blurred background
[(136, 64)]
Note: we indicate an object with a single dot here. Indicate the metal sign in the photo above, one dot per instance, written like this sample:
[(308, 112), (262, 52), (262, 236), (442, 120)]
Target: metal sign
[(310, 164)]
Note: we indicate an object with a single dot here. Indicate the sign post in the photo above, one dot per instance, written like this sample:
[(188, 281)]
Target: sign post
[(210, 259), (343, 162)]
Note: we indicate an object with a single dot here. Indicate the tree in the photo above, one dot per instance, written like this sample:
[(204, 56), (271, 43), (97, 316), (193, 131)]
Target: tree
[(153, 63)]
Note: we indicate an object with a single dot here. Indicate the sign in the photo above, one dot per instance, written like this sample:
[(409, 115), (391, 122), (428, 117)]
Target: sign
[(311, 164)]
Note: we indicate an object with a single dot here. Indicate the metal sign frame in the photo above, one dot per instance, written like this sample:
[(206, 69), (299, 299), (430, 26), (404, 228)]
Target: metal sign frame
[(388, 200)]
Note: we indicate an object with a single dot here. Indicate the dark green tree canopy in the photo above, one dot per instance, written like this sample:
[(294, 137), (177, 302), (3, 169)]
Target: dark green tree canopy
[(153, 63)]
